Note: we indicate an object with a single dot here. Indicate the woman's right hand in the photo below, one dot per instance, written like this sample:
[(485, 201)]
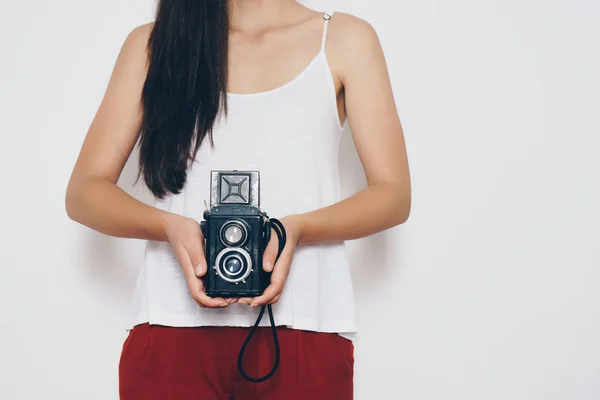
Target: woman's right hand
[(186, 239)]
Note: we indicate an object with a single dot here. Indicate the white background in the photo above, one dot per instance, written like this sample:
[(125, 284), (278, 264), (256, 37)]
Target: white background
[(489, 291)]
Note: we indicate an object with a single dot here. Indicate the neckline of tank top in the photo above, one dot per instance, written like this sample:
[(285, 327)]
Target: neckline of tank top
[(289, 83)]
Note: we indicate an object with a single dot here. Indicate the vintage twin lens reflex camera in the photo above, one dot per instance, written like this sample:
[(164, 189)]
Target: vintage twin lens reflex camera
[(236, 233)]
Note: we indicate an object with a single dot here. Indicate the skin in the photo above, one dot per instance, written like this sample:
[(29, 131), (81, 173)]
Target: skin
[(271, 42)]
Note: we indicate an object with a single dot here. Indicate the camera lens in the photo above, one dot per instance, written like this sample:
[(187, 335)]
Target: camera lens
[(234, 233), (234, 264)]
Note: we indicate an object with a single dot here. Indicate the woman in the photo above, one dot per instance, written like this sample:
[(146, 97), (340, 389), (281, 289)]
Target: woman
[(262, 85)]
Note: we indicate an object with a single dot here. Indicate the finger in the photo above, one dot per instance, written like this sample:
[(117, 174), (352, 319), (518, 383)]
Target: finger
[(197, 258), (276, 299), (269, 294), (203, 300), (195, 285), (280, 273), (270, 253), (245, 300), (216, 302)]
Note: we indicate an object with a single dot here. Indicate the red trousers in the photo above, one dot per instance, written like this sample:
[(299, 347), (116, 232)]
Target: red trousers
[(200, 363)]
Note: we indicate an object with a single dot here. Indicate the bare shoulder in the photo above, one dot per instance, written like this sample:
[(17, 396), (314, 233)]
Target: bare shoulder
[(132, 62), (345, 23), (350, 33), (350, 38), (136, 41)]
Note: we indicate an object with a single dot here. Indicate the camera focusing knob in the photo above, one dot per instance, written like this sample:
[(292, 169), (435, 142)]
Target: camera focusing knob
[(203, 226), (267, 232)]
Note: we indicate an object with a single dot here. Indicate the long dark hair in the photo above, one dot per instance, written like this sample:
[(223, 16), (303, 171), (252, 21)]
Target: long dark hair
[(185, 88)]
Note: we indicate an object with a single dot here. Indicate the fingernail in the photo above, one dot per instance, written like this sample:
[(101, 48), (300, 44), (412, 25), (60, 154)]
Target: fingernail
[(224, 304), (199, 270), (268, 265)]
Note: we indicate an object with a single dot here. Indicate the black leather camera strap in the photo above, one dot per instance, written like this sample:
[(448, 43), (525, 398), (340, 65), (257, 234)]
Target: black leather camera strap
[(280, 232)]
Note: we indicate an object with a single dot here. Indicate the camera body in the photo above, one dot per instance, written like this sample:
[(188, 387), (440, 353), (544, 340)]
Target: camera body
[(236, 234)]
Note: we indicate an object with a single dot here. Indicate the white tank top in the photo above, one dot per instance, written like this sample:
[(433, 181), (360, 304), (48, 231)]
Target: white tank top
[(291, 135)]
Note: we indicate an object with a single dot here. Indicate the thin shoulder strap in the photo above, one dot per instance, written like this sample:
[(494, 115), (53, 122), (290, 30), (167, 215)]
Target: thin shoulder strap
[(326, 17)]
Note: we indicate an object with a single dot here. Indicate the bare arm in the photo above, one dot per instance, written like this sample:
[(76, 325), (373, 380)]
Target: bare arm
[(93, 197), (356, 57)]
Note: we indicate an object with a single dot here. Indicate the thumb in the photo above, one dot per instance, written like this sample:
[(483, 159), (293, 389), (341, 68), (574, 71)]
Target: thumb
[(270, 253), (196, 253)]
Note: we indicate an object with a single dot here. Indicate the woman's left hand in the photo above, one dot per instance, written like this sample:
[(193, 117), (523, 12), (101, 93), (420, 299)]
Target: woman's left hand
[(281, 268)]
